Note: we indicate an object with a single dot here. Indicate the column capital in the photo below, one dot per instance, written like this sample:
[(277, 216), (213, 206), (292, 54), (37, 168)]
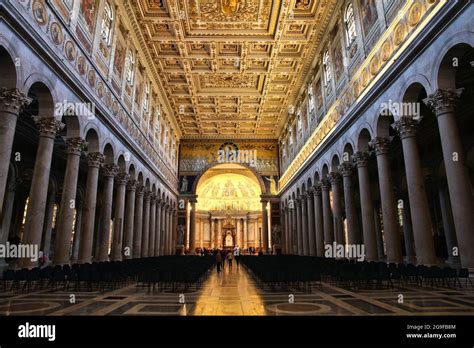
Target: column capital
[(146, 194), (75, 145), (132, 185), (443, 101), (317, 189), (95, 159), (153, 198), (140, 189), (406, 127), (361, 159), (334, 178), (381, 145), (325, 185), (110, 170), (48, 126), (122, 178), (346, 168), (12, 100)]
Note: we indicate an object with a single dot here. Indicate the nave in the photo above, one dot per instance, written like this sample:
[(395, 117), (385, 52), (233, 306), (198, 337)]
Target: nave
[(235, 293)]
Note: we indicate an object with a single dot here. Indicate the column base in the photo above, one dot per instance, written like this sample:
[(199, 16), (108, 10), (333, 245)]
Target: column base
[(180, 249), (410, 260)]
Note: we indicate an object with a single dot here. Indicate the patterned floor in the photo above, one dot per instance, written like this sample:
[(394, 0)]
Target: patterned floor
[(233, 292)]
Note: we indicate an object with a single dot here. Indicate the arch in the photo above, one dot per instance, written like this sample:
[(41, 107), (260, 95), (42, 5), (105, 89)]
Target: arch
[(383, 127), (153, 188), (412, 93), (92, 139), (8, 70), (147, 184), (131, 171), (109, 153), (347, 152), (215, 164), (363, 140), (443, 74), (43, 101), (325, 171), (309, 182), (122, 164), (140, 178), (335, 163), (316, 177), (92, 125)]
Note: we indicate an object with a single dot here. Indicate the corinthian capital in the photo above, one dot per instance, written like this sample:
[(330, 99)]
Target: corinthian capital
[(361, 159), (381, 145), (95, 159), (443, 101), (334, 178), (12, 100), (346, 168), (48, 126), (122, 178), (406, 127), (110, 170), (75, 145)]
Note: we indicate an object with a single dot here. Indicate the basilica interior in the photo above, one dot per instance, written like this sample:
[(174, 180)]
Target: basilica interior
[(145, 134)]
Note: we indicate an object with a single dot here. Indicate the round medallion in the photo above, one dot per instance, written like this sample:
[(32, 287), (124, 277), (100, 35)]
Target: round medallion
[(56, 33), (81, 65), (39, 12), (70, 51)]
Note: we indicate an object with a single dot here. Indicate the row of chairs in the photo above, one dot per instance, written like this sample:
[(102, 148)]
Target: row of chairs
[(99, 276), (301, 271)]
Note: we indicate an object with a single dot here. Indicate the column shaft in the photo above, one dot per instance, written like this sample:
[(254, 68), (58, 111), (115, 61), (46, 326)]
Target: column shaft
[(119, 211), (110, 171), (146, 223), (129, 219), (138, 223)]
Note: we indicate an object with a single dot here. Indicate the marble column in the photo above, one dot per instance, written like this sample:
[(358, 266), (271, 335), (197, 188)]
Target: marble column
[(171, 231), (138, 222), (48, 225), (109, 172), (335, 180), (94, 161), (353, 233), (163, 229), (327, 214), (367, 206), (408, 233), (213, 233), (77, 232), (283, 229), (65, 222), (294, 227), (129, 219), (443, 103), (119, 212), (318, 220), (245, 234), (420, 211), (201, 235), (379, 235), (151, 239), (264, 226), (48, 128), (6, 218), (158, 223), (192, 227), (299, 226), (304, 225), (238, 233), (146, 223), (12, 102), (448, 225), (388, 201), (311, 223)]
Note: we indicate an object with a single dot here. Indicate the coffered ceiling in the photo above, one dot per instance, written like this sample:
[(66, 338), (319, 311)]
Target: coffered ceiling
[(230, 68)]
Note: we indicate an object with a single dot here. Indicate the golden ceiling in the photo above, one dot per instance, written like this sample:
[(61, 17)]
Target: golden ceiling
[(230, 68)]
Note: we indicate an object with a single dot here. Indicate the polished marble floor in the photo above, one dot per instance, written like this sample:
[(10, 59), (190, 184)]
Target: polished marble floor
[(234, 292)]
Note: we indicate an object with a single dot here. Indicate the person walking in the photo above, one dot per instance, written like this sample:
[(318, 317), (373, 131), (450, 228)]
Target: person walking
[(223, 258), (230, 258), (218, 261), (237, 255)]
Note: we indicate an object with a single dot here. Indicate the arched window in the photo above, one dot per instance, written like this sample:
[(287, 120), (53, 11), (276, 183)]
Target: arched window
[(130, 67), (146, 100), (327, 69), (311, 101), (349, 23), (107, 23), (158, 119)]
